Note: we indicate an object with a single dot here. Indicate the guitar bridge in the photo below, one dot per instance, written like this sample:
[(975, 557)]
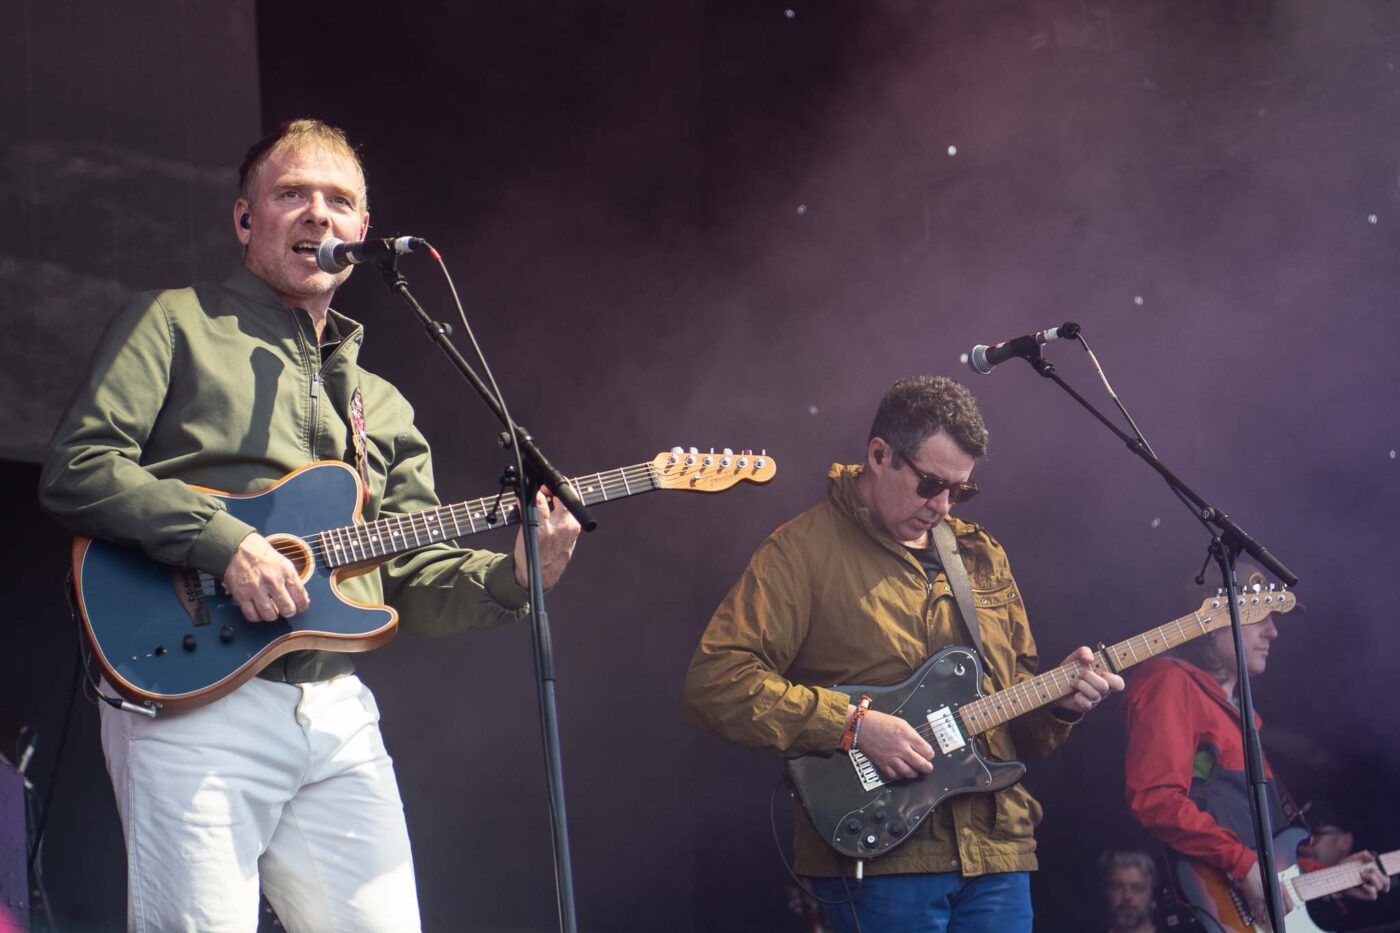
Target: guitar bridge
[(945, 730), (869, 775), (191, 589)]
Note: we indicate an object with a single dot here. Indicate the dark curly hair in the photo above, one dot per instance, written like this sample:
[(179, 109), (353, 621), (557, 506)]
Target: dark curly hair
[(917, 407)]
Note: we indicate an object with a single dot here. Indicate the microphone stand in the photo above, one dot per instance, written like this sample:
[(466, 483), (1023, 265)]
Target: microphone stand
[(536, 471), (1227, 541)]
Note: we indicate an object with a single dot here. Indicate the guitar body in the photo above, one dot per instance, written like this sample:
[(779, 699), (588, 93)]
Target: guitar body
[(1213, 893), (169, 637), (861, 815)]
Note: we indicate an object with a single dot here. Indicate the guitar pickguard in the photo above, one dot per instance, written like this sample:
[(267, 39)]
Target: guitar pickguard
[(860, 814)]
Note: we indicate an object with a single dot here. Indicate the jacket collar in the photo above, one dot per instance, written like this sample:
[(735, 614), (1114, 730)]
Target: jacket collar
[(846, 501), (339, 327)]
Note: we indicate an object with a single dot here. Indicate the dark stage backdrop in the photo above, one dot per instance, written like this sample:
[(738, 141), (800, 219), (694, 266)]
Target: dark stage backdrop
[(734, 223), (122, 124)]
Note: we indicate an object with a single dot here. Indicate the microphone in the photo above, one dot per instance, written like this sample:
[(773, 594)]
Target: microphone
[(983, 358), (334, 255)]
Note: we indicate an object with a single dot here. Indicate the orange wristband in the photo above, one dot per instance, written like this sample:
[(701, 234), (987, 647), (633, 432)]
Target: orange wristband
[(851, 736)]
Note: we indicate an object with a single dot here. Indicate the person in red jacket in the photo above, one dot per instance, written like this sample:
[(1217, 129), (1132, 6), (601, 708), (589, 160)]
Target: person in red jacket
[(1185, 770)]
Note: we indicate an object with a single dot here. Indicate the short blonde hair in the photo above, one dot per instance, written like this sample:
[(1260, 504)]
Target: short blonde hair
[(298, 136)]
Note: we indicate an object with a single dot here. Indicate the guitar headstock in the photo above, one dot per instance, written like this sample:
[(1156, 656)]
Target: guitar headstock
[(1254, 605), (695, 471)]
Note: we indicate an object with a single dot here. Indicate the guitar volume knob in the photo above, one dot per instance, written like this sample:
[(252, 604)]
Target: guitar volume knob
[(226, 634), (189, 643)]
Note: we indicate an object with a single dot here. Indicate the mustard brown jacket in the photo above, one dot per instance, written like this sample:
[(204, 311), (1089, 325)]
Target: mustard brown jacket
[(829, 598)]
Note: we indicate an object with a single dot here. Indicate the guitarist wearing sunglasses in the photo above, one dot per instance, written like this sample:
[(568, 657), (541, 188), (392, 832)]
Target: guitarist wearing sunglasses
[(854, 590)]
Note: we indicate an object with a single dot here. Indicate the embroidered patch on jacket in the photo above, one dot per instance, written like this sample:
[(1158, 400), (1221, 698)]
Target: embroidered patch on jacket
[(360, 437)]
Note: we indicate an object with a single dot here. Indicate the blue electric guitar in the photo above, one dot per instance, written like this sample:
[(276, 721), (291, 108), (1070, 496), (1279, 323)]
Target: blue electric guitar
[(171, 638)]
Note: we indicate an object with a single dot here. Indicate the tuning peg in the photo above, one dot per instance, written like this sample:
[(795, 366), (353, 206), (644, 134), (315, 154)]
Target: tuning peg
[(677, 450), (746, 452), (694, 450), (727, 452)]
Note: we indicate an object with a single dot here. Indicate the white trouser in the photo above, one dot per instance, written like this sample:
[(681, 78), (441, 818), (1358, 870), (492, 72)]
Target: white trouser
[(285, 785)]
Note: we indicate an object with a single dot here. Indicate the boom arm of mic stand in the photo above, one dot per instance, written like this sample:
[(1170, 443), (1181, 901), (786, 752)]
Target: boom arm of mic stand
[(1229, 540), (535, 461), (1230, 532)]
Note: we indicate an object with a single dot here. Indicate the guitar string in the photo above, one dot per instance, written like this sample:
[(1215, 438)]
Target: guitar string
[(1031, 695), (986, 714), (607, 485), (1332, 878), (418, 523), (421, 523), (618, 482)]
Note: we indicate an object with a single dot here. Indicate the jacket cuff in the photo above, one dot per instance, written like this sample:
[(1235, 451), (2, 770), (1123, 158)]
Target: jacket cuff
[(216, 544), (1245, 861), (829, 720), (501, 585)]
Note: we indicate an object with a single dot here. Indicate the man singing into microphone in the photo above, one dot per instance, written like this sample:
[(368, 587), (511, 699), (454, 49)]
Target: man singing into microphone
[(854, 590), (284, 783)]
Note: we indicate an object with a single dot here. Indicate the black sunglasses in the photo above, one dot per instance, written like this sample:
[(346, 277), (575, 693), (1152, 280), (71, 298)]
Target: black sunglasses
[(930, 486)]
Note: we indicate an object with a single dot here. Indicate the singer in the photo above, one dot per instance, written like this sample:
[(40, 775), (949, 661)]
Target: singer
[(284, 783), (854, 590)]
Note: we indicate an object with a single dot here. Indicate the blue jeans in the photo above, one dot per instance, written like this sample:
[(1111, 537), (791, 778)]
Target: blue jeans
[(944, 902)]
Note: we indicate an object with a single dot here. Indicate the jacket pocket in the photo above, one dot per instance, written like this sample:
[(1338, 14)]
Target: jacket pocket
[(994, 627), (1018, 814)]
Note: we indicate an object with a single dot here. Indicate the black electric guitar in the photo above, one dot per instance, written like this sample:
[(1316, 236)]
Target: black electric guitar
[(862, 815), (168, 637)]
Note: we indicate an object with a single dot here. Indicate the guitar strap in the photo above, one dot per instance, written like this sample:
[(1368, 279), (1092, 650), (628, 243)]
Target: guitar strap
[(956, 572)]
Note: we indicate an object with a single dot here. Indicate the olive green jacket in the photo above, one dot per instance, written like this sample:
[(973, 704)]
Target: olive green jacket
[(223, 386), (830, 598)]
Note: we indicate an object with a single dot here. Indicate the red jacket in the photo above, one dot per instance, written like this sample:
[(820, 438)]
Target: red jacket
[(1184, 774)]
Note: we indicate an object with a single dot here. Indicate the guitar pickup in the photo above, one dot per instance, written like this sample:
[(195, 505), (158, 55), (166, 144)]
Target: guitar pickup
[(868, 774), (945, 730)]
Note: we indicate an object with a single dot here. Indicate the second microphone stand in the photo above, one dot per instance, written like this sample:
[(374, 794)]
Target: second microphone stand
[(1227, 542)]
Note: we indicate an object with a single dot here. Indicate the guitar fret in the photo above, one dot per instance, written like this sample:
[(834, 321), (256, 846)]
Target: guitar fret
[(321, 543), (362, 541)]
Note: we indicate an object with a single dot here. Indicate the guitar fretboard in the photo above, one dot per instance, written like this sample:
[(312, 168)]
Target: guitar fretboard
[(985, 713), (1325, 881), (386, 537)]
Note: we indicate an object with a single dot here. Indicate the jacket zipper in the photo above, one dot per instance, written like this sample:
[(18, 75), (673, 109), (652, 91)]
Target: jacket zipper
[(315, 409)]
